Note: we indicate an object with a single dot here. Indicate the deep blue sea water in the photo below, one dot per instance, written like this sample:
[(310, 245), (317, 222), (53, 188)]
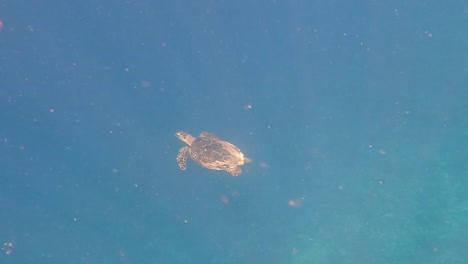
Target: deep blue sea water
[(354, 114)]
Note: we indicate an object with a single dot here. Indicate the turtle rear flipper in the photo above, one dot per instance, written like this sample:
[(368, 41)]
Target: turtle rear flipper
[(236, 171), (182, 157)]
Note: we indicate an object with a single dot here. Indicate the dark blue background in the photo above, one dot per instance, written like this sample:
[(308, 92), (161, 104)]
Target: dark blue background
[(358, 115)]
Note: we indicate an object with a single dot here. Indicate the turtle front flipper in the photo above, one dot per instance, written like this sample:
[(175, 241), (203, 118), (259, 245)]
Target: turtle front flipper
[(208, 135), (182, 157), (236, 171)]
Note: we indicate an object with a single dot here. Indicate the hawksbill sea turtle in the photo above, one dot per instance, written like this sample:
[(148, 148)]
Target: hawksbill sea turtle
[(211, 152)]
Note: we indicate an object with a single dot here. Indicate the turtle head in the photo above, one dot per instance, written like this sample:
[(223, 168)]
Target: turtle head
[(181, 135), (185, 137)]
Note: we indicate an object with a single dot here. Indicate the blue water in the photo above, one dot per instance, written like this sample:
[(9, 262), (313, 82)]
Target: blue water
[(354, 114)]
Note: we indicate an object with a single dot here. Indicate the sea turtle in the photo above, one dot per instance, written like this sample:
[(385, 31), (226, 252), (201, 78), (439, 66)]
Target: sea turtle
[(211, 152)]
